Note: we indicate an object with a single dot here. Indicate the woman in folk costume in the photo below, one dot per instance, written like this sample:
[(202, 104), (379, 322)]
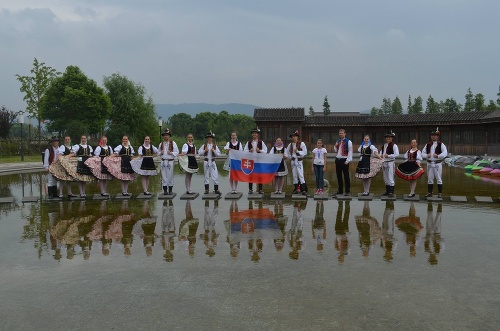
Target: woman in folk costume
[(209, 151), (58, 170), (167, 151), (279, 178), (75, 164), (389, 153), (255, 145), (296, 151), (50, 156), (233, 144), (98, 168), (411, 169), (368, 165), (144, 165), (187, 162), (119, 164)]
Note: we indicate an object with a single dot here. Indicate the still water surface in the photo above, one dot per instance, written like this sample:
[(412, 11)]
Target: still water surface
[(249, 264)]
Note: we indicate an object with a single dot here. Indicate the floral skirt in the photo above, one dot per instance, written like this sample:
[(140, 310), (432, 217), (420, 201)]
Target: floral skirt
[(409, 170), (114, 165), (58, 171), (138, 165), (70, 165), (95, 165), (187, 163), (375, 166)]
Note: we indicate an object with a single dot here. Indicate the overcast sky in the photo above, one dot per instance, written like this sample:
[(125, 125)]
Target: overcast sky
[(271, 53)]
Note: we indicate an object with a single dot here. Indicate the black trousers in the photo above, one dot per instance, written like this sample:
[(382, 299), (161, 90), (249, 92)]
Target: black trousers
[(342, 169)]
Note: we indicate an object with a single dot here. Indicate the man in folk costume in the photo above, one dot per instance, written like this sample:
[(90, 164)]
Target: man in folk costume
[(209, 151), (296, 151), (255, 145), (435, 152), (51, 154), (343, 150), (167, 151), (389, 153)]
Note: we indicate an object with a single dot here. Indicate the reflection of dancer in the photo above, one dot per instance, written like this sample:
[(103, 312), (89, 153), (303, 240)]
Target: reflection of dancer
[(411, 226), (410, 169), (342, 230), (389, 153), (296, 239), (168, 230), (279, 178), (319, 226), (282, 221), (435, 152), (145, 228), (368, 228), (210, 219), (188, 229), (50, 156), (209, 151), (100, 227), (116, 229), (234, 246), (255, 145), (433, 240), (388, 231), (233, 144), (368, 165), (167, 151), (296, 151), (189, 151)]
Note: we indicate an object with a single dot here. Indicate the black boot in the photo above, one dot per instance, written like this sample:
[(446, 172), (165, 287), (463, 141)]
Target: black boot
[(391, 191), (206, 188), (440, 190), (386, 190), (165, 190), (216, 189), (50, 192), (170, 189), (261, 191), (303, 188), (430, 188)]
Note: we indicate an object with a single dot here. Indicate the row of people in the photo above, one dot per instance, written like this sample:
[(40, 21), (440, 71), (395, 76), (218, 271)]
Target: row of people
[(104, 166)]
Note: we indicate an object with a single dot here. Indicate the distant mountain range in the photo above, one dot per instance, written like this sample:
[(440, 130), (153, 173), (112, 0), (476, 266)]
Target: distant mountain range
[(165, 110)]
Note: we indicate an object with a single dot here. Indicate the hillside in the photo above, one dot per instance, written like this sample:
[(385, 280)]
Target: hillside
[(165, 110)]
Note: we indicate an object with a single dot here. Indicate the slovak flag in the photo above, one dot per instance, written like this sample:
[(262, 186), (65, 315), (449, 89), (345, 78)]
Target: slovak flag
[(250, 167)]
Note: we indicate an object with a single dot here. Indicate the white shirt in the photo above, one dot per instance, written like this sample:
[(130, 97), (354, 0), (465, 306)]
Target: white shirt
[(348, 158), (46, 156), (297, 154), (141, 151), (97, 150), (75, 148), (419, 155), (254, 146), (390, 157), (372, 148), (444, 152), (319, 155), (186, 147), (211, 154), (119, 148), (163, 153), (229, 143)]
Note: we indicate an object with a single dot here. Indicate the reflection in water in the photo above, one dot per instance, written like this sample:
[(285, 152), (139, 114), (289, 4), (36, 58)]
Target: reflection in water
[(100, 227), (145, 228), (411, 226), (282, 221), (319, 226), (168, 230), (388, 239), (209, 221), (368, 228), (342, 230), (295, 233), (433, 240), (188, 229)]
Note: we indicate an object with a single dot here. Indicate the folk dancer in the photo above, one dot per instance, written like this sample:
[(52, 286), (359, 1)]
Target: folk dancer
[(233, 144), (209, 151), (279, 178), (64, 178), (411, 169), (189, 150), (435, 152), (368, 166), (343, 151), (144, 165), (121, 167), (98, 168), (296, 151), (389, 153), (50, 156), (167, 150), (318, 166), (82, 151), (255, 145)]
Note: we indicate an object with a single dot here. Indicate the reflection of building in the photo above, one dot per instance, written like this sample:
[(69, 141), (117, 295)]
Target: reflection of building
[(342, 230), (411, 226), (433, 241), (388, 240), (466, 133), (368, 228)]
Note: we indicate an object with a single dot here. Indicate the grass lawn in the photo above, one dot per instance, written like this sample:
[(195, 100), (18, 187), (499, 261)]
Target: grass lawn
[(17, 158)]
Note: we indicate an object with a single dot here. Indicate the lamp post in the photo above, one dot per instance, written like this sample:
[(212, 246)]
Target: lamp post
[(29, 130), (160, 123), (20, 120)]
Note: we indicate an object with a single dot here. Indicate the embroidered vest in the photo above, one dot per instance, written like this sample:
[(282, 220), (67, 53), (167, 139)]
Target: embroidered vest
[(366, 150), (170, 147), (237, 146), (345, 147), (429, 145), (277, 151), (259, 144), (297, 146), (125, 151), (51, 154), (105, 151), (83, 151), (67, 150), (147, 151), (412, 156), (390, 148), (191, 149)]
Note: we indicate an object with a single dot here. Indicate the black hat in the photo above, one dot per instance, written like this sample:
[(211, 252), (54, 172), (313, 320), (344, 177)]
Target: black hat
[(167, 131), (53, 138), (391, 134), (435, 132), (210, 134), (257, 130), (295, 133)]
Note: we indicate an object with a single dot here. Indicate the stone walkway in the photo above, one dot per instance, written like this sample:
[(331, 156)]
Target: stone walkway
[(19, 166)]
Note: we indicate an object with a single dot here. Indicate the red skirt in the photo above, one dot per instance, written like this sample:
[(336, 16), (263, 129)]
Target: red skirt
[(409, 170)]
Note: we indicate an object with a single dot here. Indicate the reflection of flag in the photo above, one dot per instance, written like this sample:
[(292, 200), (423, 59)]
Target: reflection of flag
[(253, 167), (248, 221)]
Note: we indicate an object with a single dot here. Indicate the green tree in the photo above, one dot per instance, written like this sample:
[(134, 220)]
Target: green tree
[(451, 106), (417, 107), (498, 97), (223, 125), (491, 106), (386, 106), (132, 111), (326, 106), (75, 105), (409, 110), (7, 118), (181, 124), (432, 106), (203, 123), (243, 125), (311, 110), (34, 88), (469, 101), (479, 102), (375, 111), (396, 107)]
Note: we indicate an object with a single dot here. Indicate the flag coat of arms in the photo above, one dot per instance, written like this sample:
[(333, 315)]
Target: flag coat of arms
[(253, 167)]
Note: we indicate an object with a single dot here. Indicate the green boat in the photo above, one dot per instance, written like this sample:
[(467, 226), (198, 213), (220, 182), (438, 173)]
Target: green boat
[(476, 166)]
